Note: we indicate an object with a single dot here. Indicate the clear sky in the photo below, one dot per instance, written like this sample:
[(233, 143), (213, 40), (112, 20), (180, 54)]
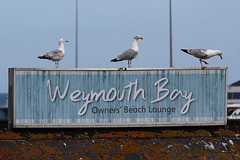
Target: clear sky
[(106, 29)]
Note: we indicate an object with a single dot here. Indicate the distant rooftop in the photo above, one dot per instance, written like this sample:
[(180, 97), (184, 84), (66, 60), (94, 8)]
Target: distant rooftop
[(235, 83)]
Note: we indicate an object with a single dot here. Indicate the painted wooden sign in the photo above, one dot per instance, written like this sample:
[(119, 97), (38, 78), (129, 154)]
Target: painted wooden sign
[(117, 98)]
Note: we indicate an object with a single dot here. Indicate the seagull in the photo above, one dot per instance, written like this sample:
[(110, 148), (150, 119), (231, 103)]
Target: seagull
[(203, 54), (130, 53), (56, 55)]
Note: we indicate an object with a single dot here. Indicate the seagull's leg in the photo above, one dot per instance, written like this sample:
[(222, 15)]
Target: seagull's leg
[(128, 64), (57, 64), (203, 67), (200, 62), (205, 62)]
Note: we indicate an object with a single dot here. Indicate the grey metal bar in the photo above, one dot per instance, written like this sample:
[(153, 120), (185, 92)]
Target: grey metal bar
[(170, 30), (76, 58), (10, 97)]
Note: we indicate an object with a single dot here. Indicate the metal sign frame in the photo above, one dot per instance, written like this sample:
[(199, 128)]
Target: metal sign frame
[(111, 95)]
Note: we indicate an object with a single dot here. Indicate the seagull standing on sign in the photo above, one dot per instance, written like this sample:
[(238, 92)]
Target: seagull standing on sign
[(203, 54), (130, 53), (56, 55)]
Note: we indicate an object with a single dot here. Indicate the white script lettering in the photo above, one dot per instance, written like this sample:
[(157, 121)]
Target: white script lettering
[(57, 90), (114, 94), (175, 93), (109, 96)]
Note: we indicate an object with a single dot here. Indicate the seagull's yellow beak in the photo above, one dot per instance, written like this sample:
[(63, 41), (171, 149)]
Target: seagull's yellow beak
[(221, 56), (66, 40)]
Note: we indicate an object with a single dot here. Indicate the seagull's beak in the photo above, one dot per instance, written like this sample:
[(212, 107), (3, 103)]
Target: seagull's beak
[(141, 38), (66, 40), (220, 56)]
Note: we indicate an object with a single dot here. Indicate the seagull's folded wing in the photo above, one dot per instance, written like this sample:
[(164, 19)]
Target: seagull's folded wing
[(55, 55), (128, 55), (199, 53)]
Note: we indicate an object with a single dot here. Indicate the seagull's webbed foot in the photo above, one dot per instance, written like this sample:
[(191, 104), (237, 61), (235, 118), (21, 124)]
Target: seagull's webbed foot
[(122, 69), (203, 67)]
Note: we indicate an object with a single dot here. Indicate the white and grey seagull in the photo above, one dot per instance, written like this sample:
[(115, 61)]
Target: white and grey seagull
[(56, 55), (203, 54), (130, 53)]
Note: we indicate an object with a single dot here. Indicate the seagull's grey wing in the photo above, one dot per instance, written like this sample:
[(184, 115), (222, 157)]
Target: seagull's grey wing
[(128, 55), (55, 55), (199, 53)]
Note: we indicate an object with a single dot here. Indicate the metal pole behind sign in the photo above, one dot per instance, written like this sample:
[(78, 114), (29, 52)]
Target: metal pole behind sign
[(170, 28), (76, 58)]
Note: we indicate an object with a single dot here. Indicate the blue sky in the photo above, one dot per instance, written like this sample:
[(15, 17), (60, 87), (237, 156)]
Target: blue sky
[(106, 29)]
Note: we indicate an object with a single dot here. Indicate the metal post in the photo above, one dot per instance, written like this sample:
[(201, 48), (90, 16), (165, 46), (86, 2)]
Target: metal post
[(76, 58), (170, 25), (11, 97)]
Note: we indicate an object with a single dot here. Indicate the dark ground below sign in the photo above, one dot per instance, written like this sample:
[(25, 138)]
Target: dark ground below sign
[(213, 142)]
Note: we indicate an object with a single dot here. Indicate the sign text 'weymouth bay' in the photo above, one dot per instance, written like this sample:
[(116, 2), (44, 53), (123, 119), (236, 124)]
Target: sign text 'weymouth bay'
[(130, 90)]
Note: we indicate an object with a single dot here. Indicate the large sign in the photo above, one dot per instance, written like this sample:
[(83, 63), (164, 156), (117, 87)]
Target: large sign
[(119, 98)]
